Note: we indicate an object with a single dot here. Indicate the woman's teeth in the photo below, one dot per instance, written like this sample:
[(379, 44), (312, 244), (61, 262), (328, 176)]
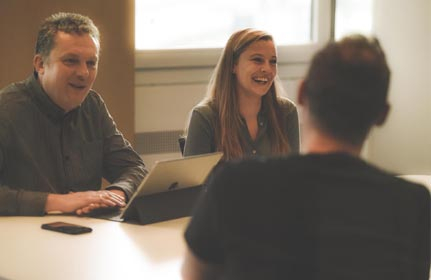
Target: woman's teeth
[(261, 79)]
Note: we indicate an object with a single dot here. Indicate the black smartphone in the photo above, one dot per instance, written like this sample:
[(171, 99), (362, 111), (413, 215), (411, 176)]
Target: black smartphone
[(66, 228)]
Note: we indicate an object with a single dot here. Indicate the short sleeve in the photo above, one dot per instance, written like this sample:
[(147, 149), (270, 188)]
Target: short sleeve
[(203, 234)]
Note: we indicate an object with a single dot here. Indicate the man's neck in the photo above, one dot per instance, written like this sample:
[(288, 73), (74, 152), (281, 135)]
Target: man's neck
[(316, 141)]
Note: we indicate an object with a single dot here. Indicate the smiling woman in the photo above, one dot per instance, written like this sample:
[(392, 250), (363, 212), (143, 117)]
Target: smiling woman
[(243, 114)]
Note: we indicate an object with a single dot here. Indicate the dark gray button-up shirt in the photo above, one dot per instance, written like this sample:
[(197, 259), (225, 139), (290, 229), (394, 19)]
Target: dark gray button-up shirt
[(201, 138), (45, 150)]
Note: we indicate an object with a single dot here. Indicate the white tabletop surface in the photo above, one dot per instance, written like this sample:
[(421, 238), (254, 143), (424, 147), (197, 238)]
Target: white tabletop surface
[(112, 251)]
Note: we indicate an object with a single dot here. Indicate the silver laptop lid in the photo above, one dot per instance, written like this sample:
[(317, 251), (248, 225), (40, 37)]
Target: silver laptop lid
[(175, 174)]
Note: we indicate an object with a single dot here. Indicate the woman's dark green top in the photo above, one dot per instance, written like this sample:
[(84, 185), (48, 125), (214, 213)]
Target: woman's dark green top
[(201, 139)]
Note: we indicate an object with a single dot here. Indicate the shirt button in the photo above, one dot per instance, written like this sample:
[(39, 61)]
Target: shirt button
[(261, 123), (254, 152)]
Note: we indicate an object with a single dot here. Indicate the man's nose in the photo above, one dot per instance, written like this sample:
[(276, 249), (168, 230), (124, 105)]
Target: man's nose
[(82, 71)]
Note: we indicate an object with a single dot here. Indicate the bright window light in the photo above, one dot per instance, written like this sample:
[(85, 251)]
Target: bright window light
[(353, 16), (190, 24)]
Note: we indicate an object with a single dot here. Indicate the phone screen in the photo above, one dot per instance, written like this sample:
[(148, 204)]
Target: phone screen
[(66, 228)]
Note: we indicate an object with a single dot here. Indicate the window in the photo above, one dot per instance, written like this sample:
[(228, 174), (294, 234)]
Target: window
[(189, 24), (353, 16), (186, 33)]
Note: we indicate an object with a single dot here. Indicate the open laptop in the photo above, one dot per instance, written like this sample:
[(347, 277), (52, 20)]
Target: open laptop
[(174, 176)]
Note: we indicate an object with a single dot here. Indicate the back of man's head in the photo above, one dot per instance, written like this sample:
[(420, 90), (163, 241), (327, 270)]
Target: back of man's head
[(66, 22), (346, 87)]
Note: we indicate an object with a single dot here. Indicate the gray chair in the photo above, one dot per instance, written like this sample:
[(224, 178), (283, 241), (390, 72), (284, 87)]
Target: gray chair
[(182, 143)]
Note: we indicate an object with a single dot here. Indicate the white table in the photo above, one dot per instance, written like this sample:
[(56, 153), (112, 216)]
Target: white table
[(112, 251)]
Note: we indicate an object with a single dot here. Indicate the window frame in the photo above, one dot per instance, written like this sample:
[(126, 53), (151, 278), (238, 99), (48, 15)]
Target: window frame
[(208, 57)]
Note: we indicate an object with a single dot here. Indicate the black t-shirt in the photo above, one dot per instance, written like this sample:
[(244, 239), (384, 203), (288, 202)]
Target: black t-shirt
[(312, 217)]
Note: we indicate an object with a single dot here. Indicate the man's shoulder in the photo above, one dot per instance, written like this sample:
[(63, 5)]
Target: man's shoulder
[(94, 96), (13, 92), (92, 101), (408, 186), (10, 88), (14, 100), (305, 169), (384, 178), (371, 178)]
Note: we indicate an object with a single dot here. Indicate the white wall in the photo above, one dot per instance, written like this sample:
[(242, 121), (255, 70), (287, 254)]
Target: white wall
[(403, 145)]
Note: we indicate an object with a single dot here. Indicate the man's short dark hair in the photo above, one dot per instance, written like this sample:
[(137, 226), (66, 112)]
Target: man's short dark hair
[(346, 87), (68, 23)]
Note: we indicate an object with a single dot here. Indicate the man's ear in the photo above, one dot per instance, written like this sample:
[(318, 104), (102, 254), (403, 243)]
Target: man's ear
[(381, 118), (38, 64), (302, 99)]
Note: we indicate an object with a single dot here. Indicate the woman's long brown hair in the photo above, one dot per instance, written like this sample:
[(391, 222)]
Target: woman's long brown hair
[(221, 96)]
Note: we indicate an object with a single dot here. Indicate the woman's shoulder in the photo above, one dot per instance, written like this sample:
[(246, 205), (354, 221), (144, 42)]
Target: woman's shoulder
[(204, 109), (286, 104)]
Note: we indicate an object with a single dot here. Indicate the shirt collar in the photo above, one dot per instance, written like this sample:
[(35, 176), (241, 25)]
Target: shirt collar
[(42, 99), (261, 116)]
